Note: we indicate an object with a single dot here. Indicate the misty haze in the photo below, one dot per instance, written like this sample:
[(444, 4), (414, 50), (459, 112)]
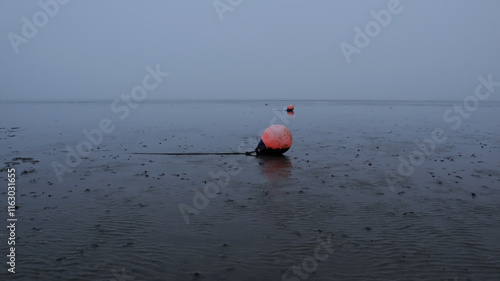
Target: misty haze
[(250, 140)]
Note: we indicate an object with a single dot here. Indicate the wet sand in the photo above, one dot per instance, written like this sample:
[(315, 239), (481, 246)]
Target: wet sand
[(117, 216)]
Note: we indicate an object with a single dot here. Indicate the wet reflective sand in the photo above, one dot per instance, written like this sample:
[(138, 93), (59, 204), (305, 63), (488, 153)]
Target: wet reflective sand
[(324, 211)]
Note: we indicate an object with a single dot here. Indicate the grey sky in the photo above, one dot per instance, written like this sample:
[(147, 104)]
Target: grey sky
[(92, 49)]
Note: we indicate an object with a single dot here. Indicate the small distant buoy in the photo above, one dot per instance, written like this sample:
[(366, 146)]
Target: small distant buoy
[(276, 139), (290, 108)]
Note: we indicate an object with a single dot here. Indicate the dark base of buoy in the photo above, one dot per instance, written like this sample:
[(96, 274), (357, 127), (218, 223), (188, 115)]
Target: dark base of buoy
[(263, 150), (271, 152), (272, 156), (289, 110)]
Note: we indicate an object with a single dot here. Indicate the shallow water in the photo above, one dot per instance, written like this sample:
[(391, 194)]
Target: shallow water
[(116, 215)]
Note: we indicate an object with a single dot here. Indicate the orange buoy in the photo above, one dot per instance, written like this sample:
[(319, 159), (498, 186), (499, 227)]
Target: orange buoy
[(276, 139), (290, 108)]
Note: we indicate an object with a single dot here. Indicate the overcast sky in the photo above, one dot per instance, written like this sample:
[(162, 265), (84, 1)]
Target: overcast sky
[(255, 49)]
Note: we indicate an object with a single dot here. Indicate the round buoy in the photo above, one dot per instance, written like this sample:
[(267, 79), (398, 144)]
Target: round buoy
[(276, 139), (290, 108)]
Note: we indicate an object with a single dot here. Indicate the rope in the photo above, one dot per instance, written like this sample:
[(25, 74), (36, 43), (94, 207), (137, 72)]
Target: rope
[(248, 153)]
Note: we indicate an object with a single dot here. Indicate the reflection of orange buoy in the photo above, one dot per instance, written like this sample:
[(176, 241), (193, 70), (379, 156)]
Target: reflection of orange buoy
[(290, 108), (290, 113), (276, 139), (275, 167)]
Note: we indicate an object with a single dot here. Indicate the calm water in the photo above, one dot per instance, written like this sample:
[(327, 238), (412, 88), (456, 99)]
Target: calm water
[(116, 214)]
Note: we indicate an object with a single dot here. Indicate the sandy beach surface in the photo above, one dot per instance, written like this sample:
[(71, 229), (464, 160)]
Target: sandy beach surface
[(368, 191)]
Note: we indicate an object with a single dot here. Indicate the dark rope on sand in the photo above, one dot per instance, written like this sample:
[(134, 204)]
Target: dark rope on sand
[(248, 153)]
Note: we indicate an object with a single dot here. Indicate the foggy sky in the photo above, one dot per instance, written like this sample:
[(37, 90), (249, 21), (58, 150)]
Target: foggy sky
[(92, 49)]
